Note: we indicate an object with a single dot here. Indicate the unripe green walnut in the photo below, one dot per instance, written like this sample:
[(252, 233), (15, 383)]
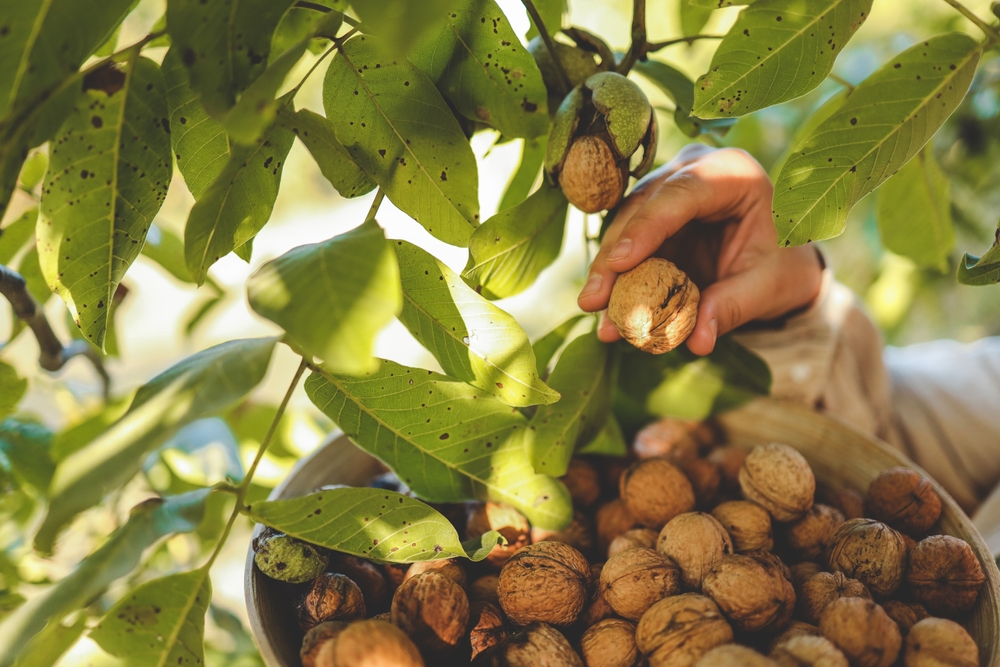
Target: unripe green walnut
[(598, 128), (578, 64), (288, 559)]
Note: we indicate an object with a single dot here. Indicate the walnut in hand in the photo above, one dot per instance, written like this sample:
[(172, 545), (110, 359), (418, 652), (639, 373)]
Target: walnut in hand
[(654, 306)]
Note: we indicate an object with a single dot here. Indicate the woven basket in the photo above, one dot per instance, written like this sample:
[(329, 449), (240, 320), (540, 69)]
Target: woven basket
[(840, 456)]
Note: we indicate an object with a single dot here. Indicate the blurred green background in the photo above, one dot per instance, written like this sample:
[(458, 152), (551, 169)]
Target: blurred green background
[(163, 319)]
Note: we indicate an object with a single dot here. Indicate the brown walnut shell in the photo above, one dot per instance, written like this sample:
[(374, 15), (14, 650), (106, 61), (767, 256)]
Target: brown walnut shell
[(706, 480), (369, 644), (792, 630), (751, 596), (677, 440), (331, 597), (677, 631), (484, 589), (656, 491), (823, 589), (597, 608), (538, 645), (779, 479), (862, 631), (730, 460), (849, 502), (905, 500), (871, 552), (487, 628), (546, 582), (803, 572), (945, 575), (433, 610), (696, 542), (637, 538), (578, 534), (610, 643), (313, 642), (734, 655), (484, 517), (808, 651), (748, 525), (634, 580), (809, 535), (654, 306), (906, 614), (613, 519), (583, 482), (592, 178), (935, 642), (446, 567), (366, 575)]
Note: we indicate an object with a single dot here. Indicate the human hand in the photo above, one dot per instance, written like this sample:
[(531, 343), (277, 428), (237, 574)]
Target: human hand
[(729, 249)]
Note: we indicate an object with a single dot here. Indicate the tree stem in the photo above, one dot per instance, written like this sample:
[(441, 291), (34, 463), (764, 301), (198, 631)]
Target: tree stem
[(637, 50), (652, 47), (842, 81), (241, 490), (373, 211), (991, 32), (549, 44)]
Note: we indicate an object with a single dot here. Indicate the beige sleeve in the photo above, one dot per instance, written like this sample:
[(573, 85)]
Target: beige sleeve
[(939, 402)]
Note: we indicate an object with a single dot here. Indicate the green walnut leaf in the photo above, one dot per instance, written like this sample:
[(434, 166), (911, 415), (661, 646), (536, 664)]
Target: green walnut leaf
[(399, 130), (609, 442), (914, 212), (335, 163), (108, 175), (585, 375), (693, 17), (983, 270), (776, 51), (471, 338), (479, 64), (224, 45), (15, 236), (523, 180), (161, 622), (117, 557), (806, 128), (332, 297), (203, 384), (238, 203), (45, 648), (680, 89), (625, 107), (12, 389), (401, 23), (545, 348), (719, 4), (886, 121), (199, 142), (447, 440), (27, 448), (33, 170), (509, 250), (379, 525)]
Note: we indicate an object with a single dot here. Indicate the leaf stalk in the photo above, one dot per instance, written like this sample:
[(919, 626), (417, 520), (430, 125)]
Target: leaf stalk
[(991, 32), (549, 44)]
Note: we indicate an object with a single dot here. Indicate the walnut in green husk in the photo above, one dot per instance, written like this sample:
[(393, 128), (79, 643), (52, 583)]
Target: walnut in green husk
[(332, 597), (288, 559)]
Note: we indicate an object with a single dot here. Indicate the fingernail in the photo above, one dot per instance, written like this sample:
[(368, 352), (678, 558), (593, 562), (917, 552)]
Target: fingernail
[(593, 285), (713, 324), (622, 250)]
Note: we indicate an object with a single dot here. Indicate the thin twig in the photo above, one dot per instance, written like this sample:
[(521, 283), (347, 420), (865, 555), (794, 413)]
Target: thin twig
[(543, 32), (637, 50), (52, 355), (652, 47), (373, 211), (842, 81), (991, 32), (302, 4)]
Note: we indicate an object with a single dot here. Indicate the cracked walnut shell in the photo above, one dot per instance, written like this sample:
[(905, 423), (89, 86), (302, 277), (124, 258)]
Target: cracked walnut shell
[(696, 542), (938, 641), (748, 525), (656, 491), (779, 479), (433, 610), (677, 631), (331, 597), (369, 644), (871, 552), (636, 579), (904, 499), (546, 582), (862, 630), (654, 306), (487, 628), (610, 643), (945, 575)]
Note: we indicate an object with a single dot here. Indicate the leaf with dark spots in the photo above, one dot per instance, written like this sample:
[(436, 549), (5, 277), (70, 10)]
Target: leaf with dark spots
[(109, 79)]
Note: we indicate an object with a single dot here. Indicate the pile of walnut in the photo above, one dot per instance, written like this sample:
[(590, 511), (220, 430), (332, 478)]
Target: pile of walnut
[(685, 554)]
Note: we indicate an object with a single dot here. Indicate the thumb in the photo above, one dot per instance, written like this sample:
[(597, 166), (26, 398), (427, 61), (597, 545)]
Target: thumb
[(764, 292)]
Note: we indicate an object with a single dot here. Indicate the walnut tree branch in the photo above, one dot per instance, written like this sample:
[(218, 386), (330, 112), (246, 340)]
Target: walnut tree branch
[(543, 32), (52, 355), (656, 46), (637, 50)]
